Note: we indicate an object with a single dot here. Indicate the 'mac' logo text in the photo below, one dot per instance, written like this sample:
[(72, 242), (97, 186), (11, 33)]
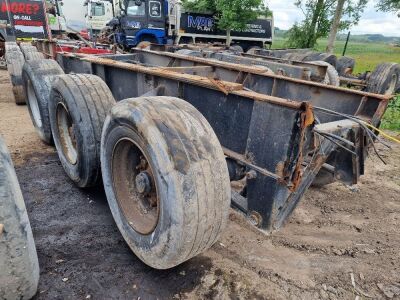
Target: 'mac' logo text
[(201, 23)]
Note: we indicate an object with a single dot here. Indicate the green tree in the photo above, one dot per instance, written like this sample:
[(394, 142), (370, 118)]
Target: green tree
[(235, 14), (389, 6), (230, 14), (318, 19)]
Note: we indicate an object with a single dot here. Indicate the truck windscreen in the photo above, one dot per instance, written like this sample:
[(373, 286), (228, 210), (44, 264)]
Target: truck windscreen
[(134, 10), (98, 10)]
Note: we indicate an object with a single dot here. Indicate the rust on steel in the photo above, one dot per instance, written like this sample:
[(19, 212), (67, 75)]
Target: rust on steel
[(261, 71), (233, 88)]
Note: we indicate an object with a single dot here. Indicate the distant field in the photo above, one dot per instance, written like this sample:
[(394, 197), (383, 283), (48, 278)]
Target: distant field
[(367, 56)]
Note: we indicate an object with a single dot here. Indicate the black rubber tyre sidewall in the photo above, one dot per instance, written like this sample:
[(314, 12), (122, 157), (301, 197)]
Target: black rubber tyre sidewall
[(19, 273), (167, 245), (168, 210), (41, 84), (82, 136)]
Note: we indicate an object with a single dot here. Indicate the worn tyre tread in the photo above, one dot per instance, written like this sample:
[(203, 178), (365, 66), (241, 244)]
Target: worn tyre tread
[(205, 209), (88, 100), (378, 79), (19, 273), (41, 73)]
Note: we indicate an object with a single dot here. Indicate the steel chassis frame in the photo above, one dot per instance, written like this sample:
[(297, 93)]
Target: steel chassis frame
[(269, 125)]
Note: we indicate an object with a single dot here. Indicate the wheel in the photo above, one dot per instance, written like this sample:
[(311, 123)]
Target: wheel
[(318, 56), (78, 107), (345, 65), (34, 55), (12, 46), (19, 272), (15, 61), (27, 49), (385, 79), (332, 76), (236, 49), (144, 45), (37, 77), (253, 50), (165, 178)]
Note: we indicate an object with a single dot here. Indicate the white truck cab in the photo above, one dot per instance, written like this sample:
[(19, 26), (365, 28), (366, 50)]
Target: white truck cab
[(98, 13)]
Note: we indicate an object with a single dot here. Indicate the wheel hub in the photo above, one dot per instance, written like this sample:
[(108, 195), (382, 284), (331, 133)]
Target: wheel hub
[(143, 183)]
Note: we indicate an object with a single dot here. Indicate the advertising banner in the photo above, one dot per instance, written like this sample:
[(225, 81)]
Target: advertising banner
[(207, 24), (27, 18)]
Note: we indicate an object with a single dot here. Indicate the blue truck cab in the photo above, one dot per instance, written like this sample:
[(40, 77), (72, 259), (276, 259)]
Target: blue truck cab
[(141, 20)]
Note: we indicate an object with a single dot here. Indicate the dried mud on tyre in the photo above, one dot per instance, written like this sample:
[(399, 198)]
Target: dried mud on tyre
[(19, 267)]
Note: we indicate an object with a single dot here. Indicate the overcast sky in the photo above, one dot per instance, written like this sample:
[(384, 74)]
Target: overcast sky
[(285, 14)]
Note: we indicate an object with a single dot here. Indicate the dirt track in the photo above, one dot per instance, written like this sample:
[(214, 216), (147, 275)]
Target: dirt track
[(336, 233)]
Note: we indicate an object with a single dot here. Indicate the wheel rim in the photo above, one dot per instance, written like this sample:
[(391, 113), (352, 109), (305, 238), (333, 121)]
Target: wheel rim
[(67, 133), (134, 186), (392, 85), (33, 104)]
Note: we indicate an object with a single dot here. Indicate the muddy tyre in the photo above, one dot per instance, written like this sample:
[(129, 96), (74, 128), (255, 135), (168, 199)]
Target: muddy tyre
[(253, 50), (27, 49), (161, 153), (78, 107), (19, 267), (385, 79), (34, 55), (11, 46), (332, 76), (345, 65), (37, 77), (15, 61)]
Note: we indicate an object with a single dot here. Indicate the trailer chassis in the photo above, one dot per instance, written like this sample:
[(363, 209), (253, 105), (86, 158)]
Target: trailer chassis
[(274, 147)]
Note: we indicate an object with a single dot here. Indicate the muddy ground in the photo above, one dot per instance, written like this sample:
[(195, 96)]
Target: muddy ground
[(336, 234)]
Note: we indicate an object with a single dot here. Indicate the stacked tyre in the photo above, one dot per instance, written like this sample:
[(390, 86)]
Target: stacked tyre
[(15, 61)]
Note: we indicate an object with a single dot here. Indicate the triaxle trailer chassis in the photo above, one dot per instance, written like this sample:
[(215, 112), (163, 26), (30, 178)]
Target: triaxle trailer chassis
[(277, 132)]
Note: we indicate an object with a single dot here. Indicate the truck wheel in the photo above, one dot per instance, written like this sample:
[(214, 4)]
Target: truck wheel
[(19, 273), (34, 55), (384, 79), (78, 107), (345, 65), (332, 76), (253, 50), (237, 49), (11, 46), (37, 76), (27, 48), (15, 61), (165, 178)]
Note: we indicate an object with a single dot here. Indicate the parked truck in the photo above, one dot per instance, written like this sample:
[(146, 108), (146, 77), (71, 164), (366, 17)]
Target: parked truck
[(166, 22)]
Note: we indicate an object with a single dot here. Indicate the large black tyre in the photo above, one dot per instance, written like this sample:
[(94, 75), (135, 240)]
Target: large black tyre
[(78, 107), (345, 65), (34, 55), (326, 57), (385, 79), (253, 50), (37, 77), (12, 46), (161, 155), (27, 48), (15, 61), (332, 76), (19, 267)]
